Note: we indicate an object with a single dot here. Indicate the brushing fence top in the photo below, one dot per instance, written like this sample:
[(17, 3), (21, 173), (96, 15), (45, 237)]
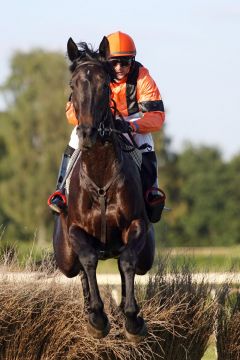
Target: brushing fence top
[(114, 279)]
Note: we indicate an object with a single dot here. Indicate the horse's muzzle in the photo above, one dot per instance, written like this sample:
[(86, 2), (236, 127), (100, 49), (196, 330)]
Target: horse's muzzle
[(87, 136)]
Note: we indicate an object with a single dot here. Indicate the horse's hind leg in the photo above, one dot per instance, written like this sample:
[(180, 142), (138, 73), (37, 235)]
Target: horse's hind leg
[(82, 244), (135, 238)]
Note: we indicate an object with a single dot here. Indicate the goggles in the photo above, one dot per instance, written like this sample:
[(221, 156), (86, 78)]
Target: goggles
[(124, 62)]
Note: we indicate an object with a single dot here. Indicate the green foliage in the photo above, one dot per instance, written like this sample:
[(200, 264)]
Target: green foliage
[(203, 194), (33, 136)]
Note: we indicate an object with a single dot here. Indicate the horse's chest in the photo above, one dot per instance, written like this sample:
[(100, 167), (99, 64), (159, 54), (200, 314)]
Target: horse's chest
[(96, 218)]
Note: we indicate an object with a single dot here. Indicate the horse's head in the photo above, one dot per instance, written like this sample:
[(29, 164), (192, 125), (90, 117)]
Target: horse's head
[(91, 75)]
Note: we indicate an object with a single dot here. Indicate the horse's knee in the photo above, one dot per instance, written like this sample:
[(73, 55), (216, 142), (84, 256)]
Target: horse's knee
[(141, 271), (70, 274), (146, 257), (144, 263), (70, 269)]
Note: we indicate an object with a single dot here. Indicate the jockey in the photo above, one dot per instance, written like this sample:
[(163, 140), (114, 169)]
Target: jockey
[(138, 100)]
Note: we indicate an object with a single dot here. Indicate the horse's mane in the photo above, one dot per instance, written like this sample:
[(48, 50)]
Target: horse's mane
[(87, 51)]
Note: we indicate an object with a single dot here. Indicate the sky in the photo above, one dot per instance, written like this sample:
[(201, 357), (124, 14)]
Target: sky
[(191, 48)]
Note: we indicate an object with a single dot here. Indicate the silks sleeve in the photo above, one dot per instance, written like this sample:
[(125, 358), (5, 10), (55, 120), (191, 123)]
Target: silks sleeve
[(70, 114), (150, 104)]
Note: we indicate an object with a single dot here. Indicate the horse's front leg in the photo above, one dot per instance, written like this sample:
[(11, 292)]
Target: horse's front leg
[(123, 287), (135, 237), (86, 292), (83, 246)]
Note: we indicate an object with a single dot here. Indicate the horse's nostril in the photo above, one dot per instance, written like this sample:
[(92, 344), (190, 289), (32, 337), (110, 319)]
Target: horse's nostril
[(88, 130), (84, 130)]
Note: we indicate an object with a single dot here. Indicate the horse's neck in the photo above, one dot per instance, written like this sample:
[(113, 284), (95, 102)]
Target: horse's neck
[(100, 162)]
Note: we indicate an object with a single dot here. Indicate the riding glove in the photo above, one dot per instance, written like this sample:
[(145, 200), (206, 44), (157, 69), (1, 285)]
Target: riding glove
[(123, 126)]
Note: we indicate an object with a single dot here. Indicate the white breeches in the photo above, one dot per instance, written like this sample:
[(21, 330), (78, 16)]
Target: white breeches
[(74, 141)]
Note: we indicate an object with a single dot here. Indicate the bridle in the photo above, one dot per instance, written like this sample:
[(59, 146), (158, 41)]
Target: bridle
[(103, 128), (106, 125)]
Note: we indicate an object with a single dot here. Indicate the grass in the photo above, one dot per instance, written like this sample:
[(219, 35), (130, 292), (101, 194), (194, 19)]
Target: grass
[(203, 259), (219, 259), (228, 330), (45, 320), (210, 354), (179, 313)]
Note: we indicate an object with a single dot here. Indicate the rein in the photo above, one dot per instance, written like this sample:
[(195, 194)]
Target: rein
[(104, 130)]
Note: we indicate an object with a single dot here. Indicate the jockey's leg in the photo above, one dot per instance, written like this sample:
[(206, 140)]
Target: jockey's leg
[(57, 201), (153, 196)]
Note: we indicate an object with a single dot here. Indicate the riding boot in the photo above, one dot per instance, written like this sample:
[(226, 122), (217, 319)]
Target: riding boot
[(57, 201), (153, 196)]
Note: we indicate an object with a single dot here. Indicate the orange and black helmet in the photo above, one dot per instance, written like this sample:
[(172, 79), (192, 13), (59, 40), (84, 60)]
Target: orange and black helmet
[(121, 44)]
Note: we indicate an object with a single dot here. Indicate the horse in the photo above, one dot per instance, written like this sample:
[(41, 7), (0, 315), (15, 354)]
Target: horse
[(106, 215)]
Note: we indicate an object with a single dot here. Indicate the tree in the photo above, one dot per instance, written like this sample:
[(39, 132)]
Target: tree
[(35, 134), (168, 177), (203, 213), (232, 200)]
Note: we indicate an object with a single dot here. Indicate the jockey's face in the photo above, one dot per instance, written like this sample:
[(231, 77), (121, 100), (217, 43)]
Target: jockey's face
[(121, 66)]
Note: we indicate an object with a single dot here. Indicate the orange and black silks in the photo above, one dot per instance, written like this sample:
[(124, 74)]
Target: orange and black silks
[(136, 95)]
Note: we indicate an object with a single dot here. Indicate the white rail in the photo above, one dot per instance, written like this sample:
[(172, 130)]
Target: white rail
[(114, 279)]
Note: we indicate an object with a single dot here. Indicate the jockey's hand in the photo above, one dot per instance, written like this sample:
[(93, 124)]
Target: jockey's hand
[(123, 126)]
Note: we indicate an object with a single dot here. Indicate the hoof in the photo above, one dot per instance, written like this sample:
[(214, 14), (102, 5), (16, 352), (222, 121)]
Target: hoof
[(139, 336), (96, 333)]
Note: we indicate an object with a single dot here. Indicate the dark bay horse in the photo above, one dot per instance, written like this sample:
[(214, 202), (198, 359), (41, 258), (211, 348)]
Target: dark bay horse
[(106, 216)]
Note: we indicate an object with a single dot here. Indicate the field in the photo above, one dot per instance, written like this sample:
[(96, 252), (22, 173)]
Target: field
[(203, 259), (42, 318)]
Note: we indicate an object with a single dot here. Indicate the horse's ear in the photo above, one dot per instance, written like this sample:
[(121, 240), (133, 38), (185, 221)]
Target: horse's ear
[(104, 50), (72, 50)]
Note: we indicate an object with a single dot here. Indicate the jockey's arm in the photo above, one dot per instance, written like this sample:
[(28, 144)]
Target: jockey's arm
[(151, 121), (150, 104), (70, 114)]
